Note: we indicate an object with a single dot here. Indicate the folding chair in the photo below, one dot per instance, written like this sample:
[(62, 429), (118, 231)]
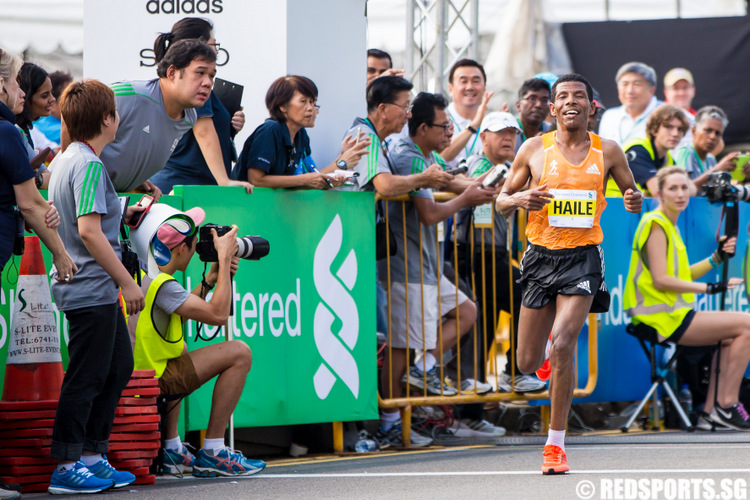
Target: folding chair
[(647, 335)]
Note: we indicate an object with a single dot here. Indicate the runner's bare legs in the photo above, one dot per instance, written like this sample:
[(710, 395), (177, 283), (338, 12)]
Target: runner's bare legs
[(564, 318)]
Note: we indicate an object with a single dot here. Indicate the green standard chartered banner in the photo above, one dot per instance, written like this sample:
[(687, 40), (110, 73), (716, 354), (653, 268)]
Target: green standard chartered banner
[(307, 310)]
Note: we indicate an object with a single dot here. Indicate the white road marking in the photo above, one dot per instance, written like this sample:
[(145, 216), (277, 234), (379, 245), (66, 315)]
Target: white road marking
[(498, 473)]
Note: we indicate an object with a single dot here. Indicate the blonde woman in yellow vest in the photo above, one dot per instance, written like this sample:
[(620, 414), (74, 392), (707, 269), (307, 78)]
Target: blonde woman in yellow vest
[(159, 346), (660, 292), (646, 155), (559, 178)]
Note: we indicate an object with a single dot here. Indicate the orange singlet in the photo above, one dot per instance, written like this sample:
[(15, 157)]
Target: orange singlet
[(571, 218)]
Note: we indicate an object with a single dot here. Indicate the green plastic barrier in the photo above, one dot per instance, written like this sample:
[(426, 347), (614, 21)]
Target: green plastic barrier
[(307, 310)]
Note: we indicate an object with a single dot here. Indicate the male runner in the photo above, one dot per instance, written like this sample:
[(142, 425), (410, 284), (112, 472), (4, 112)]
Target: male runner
[(562, 271)]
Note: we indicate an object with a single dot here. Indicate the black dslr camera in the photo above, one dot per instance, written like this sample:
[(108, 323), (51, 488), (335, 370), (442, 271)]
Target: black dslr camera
[(719, 189), (249, 247)]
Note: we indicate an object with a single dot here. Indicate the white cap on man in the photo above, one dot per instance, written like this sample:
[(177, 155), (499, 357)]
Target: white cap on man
[(499, 120)]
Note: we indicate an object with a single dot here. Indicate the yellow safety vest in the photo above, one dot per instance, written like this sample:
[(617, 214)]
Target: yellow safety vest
[(154, 348), (659, 309), (612, 189)]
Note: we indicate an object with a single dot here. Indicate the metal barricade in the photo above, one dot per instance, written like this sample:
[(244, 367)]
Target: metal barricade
[(489, 312)]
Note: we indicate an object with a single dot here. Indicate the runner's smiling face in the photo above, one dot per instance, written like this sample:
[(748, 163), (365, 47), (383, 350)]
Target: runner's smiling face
[(571, 105)]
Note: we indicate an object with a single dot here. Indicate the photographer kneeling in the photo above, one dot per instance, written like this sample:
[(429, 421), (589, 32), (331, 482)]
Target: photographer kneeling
[(659, 292), (159, 345)]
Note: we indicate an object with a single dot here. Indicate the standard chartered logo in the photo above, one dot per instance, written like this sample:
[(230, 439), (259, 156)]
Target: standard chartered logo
[(334, 288)]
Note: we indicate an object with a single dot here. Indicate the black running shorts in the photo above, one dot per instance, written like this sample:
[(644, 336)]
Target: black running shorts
[(546, 273)]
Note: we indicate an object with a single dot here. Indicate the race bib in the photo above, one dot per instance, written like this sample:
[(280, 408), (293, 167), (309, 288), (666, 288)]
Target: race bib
[(572, 208), (483, 216)]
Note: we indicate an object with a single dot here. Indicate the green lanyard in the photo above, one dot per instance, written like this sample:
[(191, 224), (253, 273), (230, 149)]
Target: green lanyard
[(698, 159), (476, 136)]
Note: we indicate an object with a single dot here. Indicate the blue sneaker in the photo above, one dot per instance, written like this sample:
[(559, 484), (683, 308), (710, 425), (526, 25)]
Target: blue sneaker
[(77, 480), (103, 470), (177, 462), (226, 463)]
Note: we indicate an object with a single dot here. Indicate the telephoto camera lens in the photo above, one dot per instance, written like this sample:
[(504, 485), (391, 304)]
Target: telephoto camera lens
[(252, 247)]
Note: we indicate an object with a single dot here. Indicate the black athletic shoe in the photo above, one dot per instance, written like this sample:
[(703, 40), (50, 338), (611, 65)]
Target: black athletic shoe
[(735, 417)]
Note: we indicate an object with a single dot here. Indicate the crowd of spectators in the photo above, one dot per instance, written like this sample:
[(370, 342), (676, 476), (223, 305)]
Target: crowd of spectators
[(403, 146)]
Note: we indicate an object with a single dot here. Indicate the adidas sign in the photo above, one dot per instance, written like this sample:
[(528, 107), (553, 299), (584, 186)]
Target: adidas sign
[(147, 129), (584, 285), (593, 169)]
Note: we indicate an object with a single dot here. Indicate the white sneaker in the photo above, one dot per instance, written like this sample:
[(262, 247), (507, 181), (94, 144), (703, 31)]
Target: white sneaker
[(478, 428), (522, 383), (469, 386)]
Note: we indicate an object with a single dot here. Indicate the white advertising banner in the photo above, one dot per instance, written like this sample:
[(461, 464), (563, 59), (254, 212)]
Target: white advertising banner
[(34, 337), (260, 41)]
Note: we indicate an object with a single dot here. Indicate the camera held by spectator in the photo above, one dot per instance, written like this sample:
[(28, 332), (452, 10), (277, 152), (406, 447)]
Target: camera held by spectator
[(248, 247)]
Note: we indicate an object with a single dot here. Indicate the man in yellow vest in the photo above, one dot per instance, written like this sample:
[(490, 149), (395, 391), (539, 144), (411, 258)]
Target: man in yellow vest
[(159, 345), (646, 155)]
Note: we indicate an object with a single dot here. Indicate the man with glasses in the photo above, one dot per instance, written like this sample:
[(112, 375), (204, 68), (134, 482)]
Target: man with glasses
[(467, 85), (419, 287), (533, 109), (636, 84), (388, 110)]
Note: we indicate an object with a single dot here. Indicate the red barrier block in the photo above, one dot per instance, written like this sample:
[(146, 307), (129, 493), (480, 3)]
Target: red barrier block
[(150, 479), (47, 404), (33, 423), (24, 460), (141, 391), (26, 442), (133, 445), (36, 478), (17, 470), (132, 455), (143, 382), (137, 419), (130, 464), (143, 374), (135, 436), (135, 410), (135, 428), (137, 401), (22, 433), (23, 452), (27, 415)]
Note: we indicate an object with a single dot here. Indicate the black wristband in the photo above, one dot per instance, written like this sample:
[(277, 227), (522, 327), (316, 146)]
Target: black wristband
[(471, 129), (38, 180), (714, 288), (206, 286)]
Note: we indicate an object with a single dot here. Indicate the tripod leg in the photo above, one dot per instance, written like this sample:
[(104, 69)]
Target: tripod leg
[(637, 411)]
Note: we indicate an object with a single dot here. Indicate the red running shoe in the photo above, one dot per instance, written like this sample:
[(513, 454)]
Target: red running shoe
[(555, 461), (545, 371)]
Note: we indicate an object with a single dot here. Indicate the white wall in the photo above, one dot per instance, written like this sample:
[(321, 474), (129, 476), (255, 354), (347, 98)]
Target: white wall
[(264, 39)]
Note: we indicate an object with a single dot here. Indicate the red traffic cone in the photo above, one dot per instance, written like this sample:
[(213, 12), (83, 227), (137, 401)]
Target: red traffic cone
[(33, 369)]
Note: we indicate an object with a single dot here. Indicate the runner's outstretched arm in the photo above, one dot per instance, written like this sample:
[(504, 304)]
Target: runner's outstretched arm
[(520, 175)]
